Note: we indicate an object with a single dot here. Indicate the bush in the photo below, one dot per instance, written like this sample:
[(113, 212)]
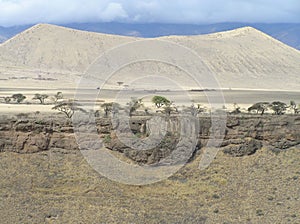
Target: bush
[(278, 107), (18, 97), (160, 101), (40, 97)]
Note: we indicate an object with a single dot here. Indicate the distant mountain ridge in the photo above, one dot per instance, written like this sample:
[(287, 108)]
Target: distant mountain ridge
[(8, 32), (287, 33)]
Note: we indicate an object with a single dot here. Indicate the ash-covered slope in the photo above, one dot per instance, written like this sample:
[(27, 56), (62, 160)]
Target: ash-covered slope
[(56, 48), (247, 58), (242, 58)]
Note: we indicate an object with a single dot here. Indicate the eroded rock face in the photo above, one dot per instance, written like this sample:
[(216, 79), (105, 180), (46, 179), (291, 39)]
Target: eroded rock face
[(243, 135), (29, 142), (30, 135), (148, 156), (245, 147)]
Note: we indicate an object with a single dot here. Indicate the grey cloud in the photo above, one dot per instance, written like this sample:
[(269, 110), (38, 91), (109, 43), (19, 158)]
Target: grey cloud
[(113, 11), (16, 12)]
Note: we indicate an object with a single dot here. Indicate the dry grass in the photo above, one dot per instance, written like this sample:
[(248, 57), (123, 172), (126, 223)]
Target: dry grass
[(262, 188)]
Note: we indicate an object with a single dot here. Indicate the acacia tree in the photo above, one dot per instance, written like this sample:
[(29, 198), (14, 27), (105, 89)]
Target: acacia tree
[(294, 107), (236, 109), (278, 107), (58, 96), (120, 83), (134, 104), (19, 97), (68, 107), (260, 107), (195, 110), (109, 107), (168, 110), (7, 99), (160, 101), (40, 97)]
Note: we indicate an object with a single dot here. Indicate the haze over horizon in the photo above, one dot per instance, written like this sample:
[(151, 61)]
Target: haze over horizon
[(23, 12)]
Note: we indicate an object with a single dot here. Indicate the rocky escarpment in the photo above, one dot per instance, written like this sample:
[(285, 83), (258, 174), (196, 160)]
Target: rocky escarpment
[(244, 135), (31, 135)]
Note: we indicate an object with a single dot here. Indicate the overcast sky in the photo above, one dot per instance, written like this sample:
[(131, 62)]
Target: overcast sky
[(17, 12)]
